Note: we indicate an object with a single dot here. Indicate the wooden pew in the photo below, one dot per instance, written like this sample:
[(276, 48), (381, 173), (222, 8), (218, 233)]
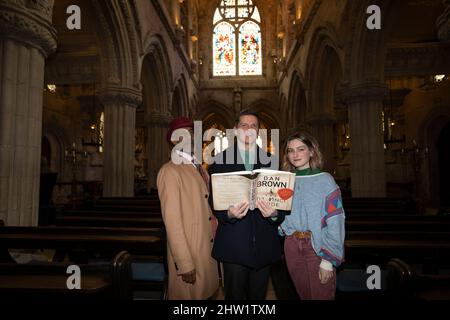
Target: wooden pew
[(372, 247), (84, 244), (127, 201), (379, 205), (130, 212), (84, 220), (125, 208), (103, 213), (420, 224), (394, 217), (404, 282), (48, 281), (90, 240)]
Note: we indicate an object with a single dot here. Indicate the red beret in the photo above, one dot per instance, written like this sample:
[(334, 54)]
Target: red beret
[(178, 123)]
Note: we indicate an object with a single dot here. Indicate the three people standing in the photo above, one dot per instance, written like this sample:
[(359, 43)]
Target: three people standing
[(246, 241)]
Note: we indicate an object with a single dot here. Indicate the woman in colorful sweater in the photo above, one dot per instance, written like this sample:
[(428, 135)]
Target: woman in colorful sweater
[(314, 230)]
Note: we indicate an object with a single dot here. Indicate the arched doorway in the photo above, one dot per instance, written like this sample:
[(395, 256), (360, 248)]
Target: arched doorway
[(156, 92), (297, 103), (443, 147), (46, 155)]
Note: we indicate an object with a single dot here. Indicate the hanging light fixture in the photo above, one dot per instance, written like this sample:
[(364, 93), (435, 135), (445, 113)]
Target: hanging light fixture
[(51, 87)]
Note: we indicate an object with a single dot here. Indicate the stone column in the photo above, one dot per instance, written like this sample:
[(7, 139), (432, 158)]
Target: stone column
[(365, 104), (158, 148), (321, 126), (26, 39), (120, 122), (443, 23)]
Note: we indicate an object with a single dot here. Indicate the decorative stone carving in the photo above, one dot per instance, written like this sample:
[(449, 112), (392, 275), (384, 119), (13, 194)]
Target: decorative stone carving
[(369, 90), (82, 69), (43, 6), (443, 23), (162, 119), (24, 25), (412, 59), (237, 101), (116, 95), (321, 119)]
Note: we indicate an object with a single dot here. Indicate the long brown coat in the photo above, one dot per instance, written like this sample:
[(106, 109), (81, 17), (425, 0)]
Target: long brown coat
[(186, 214)]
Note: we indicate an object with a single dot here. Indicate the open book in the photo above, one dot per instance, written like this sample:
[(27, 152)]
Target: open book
[(272, 186)]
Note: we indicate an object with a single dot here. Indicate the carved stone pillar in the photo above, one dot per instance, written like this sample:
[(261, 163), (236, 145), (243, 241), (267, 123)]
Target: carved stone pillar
[(321, 126), (158, 148), (120, 122), (443, 23), (26, 39), (365, 104)]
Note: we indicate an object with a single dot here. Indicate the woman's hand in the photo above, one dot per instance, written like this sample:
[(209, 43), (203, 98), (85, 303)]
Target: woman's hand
[(325, 275), (266, 209)]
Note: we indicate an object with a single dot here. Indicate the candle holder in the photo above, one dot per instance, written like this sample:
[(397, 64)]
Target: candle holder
[(74, 156)]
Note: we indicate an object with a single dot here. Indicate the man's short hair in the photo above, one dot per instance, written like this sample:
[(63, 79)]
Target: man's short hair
[(245, 112)]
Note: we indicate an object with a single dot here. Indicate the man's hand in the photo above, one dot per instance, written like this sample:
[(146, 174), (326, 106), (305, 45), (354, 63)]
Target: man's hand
[(239, 210), (266, 209), (325, 275), (189, 277)]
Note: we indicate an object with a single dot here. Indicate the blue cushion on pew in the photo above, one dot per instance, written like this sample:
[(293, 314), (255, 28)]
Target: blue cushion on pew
[(148, 271), (355, 280)]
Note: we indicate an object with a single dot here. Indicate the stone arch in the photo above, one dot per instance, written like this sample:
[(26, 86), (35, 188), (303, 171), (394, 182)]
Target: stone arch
[(269, 120), (121, 49), (177, 109), (365, 49), (326, 55), (214, 116), (363, 92), (180, 102), (444, 172), (428, 134), (156, 75), (324, 76), (265, 110), (221, 112), (296, 104), (58, 142), (157, 89)]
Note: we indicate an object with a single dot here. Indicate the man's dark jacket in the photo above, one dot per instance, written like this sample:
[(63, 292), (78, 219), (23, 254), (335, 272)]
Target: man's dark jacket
[(253, 240)]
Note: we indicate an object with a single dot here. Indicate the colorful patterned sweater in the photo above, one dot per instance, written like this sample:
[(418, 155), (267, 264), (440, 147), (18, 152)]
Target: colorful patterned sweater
[(317, 207)]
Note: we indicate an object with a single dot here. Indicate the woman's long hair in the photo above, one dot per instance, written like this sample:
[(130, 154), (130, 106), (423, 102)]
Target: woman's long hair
[(316, 160)]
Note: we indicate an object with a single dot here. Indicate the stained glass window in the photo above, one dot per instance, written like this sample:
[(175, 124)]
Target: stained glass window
[(237, 39), (224, 50), (249, 49)]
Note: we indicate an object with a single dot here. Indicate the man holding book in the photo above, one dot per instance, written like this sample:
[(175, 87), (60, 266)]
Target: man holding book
[(246, 240)]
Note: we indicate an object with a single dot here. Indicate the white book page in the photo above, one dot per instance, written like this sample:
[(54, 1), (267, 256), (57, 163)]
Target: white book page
[(229, 190)]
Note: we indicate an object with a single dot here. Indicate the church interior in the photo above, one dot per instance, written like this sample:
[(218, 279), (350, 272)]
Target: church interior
[(88, 89)]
